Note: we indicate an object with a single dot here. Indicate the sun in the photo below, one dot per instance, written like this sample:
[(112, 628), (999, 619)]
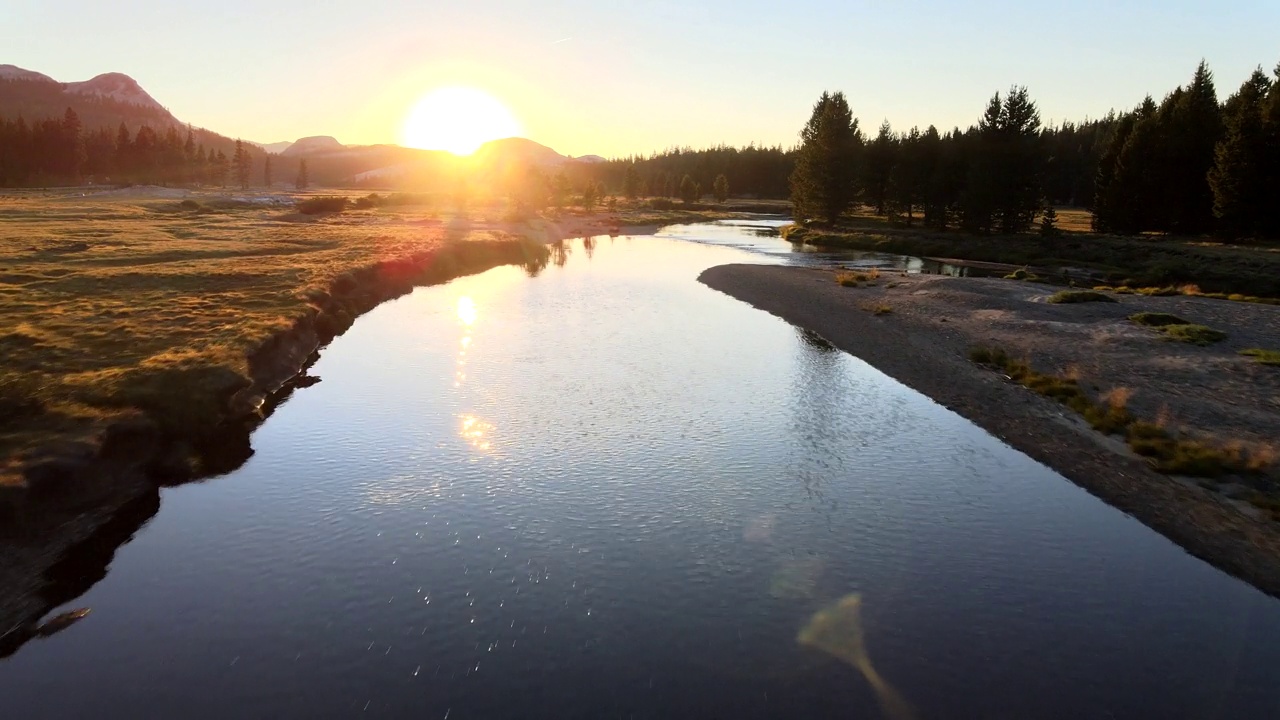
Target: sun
[(459, 120)]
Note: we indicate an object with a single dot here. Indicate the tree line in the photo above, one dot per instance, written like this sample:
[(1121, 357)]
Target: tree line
[(1190, 166), (58, 151), (754, 171)]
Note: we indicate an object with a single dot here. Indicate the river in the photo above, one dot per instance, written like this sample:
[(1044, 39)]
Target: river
[(608, 491)]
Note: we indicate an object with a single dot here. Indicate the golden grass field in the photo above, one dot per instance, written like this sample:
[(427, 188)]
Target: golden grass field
[(109, 296)]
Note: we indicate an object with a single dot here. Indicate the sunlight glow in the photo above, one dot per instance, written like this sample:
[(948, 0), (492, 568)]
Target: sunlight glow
[(466, 311), (459, 120)]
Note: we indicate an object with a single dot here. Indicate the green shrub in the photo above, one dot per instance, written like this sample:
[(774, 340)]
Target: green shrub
[(320, 205), (1194, 334), (1155, 319), (1080, 296), (1264, 357)]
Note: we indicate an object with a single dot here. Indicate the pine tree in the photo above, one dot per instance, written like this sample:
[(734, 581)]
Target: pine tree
[(881, 157), (721, 188), (1049, 222), (590, 196), (909, 178), (689, 190), (302, 181), (1004, 190), (824, 182), (221, 166), (72, 145), (242, 163), (1192, 128), (1238, 177), (631, 182), (266, 171), (124, 152)]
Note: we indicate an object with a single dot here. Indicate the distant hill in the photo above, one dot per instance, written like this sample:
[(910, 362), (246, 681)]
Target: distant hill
[(517, 150), (105, 101), (313, 145), (112, 99), (275, 147)]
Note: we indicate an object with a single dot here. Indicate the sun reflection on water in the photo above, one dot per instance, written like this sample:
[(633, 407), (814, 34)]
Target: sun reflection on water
[(476, 432)]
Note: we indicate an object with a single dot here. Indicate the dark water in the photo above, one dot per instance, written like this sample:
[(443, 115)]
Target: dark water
[(610, 491)]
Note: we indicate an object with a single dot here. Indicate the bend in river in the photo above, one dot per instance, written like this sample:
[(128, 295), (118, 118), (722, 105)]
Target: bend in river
[(609, 491)]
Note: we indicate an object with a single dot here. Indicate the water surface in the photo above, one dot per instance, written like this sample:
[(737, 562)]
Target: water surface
[(609, 491)]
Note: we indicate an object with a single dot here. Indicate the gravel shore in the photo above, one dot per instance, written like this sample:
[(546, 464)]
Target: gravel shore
[(924, 340)]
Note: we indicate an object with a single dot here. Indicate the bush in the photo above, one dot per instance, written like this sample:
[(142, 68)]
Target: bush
[(1080, 296), (1264, 357), (372, 200), (320, 205), (661, 204), (1156, 319), (1194, 334)]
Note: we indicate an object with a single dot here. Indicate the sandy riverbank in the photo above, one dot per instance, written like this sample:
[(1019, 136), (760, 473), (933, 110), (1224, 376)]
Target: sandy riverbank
[(1209, 392)]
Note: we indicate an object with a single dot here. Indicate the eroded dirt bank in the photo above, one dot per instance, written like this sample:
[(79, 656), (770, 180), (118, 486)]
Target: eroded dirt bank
[(929, 323)]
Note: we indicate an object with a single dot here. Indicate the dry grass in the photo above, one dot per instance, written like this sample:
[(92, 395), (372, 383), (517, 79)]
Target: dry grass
[(120, 301), (1165, 450), (855, 278)]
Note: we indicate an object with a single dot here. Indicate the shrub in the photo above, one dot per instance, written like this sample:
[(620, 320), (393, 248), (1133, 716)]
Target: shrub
[(1080, 296), (853, 278), (995, 357), (320, 205), (880, 309), (661, 204), (1023, 274), (1194, 334), (1264, 357), (371, 200), (1156, 319)]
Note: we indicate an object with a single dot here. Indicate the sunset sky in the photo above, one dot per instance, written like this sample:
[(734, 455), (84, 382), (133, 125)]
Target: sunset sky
[(606, 78)]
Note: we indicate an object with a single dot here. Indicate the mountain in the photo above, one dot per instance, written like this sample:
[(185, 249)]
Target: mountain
[(275, 147), (313, 145), (13, 72), (110, 100), (104, 101), (589, 159), (116, 86), (517, 150)]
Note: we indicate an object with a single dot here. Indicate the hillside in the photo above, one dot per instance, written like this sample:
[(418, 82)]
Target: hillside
[(111, 100)]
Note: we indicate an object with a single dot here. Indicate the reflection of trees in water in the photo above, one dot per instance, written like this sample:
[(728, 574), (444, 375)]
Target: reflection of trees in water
[(534, 266), (560, 252), (819, 402), (589, 247)]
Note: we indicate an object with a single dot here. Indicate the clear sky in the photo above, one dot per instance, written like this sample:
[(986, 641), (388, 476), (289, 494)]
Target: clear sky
[(596, 76)]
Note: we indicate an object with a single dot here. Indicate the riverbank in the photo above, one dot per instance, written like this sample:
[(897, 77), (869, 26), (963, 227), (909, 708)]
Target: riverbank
[(1088, 258), (920, 330)]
